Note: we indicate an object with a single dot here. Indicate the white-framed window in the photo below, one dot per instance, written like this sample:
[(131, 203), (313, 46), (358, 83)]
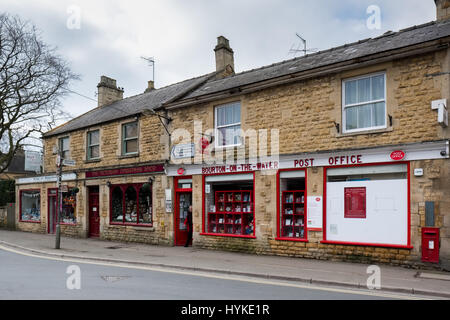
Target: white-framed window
[(93, 145), (64, 146), (364, 103), (130, 139), (228, 125)]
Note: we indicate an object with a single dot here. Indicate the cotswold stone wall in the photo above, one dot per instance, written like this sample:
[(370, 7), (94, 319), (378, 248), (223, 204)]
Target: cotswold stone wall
[(3, 217), (151, 145), (433, 186)]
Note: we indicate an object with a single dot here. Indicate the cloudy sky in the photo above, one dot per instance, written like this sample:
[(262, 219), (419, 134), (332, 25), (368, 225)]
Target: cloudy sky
[(108, 37)]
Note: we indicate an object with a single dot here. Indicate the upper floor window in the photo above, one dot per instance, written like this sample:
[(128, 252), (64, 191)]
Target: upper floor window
[(64, 146), (130, 140), (364, 103), (93, 145), (228, 125)]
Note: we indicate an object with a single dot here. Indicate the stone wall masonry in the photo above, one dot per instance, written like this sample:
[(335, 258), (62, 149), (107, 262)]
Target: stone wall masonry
[(151, 146)]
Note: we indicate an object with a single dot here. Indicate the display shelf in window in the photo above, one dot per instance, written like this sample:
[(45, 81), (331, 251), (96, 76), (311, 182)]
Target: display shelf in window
[(234, 214), (293, 214)]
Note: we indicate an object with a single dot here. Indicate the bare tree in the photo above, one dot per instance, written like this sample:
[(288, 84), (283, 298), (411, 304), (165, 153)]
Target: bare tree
[(33, 79)]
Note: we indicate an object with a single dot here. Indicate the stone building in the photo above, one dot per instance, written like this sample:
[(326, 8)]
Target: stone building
[(341, 155)]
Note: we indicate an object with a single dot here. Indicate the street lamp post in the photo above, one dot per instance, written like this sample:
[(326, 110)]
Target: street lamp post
[(59, 207)]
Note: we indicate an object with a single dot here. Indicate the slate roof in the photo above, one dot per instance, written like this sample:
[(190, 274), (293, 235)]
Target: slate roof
[(205, 85), (389, 41), (129, 106)]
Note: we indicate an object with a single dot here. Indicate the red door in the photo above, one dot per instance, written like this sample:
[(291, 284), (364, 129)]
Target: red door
[(94, 213), (183, 201)]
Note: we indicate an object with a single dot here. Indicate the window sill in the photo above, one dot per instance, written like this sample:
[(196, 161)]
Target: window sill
[(68, 224), (92, 161), (128, 156), (291, 239), (25, 221), (134, 226), (375, 131), (227, 235), (366, 244)]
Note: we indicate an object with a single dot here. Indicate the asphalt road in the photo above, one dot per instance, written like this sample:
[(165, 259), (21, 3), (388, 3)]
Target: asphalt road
[(31, 277)]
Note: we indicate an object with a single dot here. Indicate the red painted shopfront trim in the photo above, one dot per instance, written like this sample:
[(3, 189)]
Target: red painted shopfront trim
[(124, 187), (279, 204), (325, 241), (204, 233), (175, 203), (20, 206)]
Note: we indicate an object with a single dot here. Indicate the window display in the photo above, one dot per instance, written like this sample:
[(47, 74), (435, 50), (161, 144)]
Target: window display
[(131, 204), (30, 205), (230, 207), (292, 205), (69, 203)]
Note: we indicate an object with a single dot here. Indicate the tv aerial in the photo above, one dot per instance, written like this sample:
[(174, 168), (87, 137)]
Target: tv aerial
[(151, 62), (305, 51)]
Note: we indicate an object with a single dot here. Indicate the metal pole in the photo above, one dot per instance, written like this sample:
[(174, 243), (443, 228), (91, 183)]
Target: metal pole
[(58, 211)]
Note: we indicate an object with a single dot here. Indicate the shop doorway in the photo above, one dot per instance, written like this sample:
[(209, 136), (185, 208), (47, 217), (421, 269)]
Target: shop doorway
[(52, 210), (183, 200), (94, 212)]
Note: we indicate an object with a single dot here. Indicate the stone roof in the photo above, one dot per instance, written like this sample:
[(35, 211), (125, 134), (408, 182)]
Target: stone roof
[(207, 84), (129, 107), (387, 42)]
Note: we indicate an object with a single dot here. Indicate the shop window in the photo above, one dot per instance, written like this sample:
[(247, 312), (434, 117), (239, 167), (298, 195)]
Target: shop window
[(228, 125), (130, 140), (93, 145), (355, 203), (69, 203), (131, 204), (292, 205), (30, 206), (230, 205), (64, 147), (364, 103)]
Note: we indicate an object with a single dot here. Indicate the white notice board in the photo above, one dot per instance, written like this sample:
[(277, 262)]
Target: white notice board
[(315, 212)]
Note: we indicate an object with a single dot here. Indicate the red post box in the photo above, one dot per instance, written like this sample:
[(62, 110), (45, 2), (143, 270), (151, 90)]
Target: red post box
[(430, 245)]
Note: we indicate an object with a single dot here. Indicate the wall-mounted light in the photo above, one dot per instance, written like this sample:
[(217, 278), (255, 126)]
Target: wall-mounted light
[(391, 120), (108, 184), (338, 127)]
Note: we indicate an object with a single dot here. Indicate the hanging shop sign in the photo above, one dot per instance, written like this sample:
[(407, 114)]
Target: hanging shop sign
[(125, 171), (183, 151)]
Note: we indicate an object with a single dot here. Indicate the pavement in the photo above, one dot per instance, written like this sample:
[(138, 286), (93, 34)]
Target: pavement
[(318, 272)]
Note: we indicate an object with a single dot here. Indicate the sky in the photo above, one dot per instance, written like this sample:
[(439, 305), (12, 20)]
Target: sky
[(109, 37)]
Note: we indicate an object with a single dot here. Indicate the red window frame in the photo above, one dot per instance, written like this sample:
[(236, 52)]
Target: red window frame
[(20, 206), (279, 214), (124, 187), (325, 180), (205, 232), (352, 195)]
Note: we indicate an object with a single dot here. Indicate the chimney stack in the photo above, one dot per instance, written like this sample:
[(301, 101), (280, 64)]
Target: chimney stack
[(224, 57), (151, 86), (443, 9), (108, 92)]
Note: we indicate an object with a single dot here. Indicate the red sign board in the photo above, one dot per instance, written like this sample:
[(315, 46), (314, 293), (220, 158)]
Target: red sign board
[(125, 171), (180, 171), (398, 155)]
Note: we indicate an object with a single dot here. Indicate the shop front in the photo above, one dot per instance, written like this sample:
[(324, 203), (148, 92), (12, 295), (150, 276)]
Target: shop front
[(331, 205), (183, 201)]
